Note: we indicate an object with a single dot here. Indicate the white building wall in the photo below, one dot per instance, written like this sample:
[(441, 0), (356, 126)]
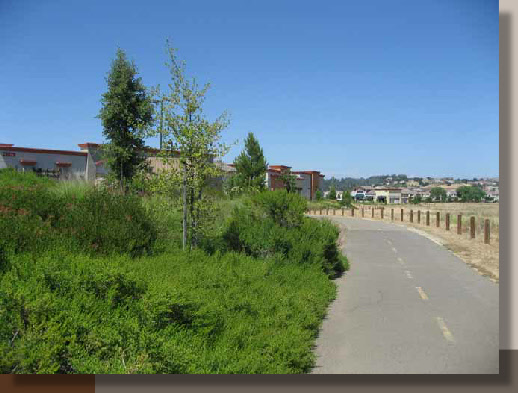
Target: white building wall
[(45, 161)]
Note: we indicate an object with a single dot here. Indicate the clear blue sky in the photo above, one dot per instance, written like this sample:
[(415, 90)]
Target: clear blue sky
[(351, 88)]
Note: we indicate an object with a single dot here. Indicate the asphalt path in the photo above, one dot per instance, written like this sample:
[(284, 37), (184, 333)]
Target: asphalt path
[(407, 306)]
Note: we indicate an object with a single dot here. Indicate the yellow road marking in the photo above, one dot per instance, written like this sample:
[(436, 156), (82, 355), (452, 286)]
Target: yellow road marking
[(400, 260), (393, 249), (445, 331), (423, 295)]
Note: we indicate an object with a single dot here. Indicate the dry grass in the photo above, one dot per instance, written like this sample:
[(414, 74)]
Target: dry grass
[(482, 257)]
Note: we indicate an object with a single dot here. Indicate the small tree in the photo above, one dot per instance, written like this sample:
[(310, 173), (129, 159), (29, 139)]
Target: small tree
[(195, 142), (289, 180), (417, 199), (332, 193), (318, 195), (438, 194), (126, 113), (251, 165), (347, 199), (470, 194)]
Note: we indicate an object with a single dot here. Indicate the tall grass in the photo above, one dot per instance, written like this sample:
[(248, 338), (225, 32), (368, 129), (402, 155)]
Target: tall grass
[(72, 189)]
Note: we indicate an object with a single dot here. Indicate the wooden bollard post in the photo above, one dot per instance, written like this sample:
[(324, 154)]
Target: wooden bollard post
[(428, 218), (327, 211), (459, 224), (352, 212), (472, 227), (419, 216), (343, 211), (392, 214), (382, 212), (334, 212), (402, 215), (372, 211), (363, 212), (447, 221), (438, 221), (486, 231), (320, 211), (411, 215)]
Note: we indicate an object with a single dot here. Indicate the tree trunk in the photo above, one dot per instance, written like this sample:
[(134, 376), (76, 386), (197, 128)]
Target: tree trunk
[(191, 211), (184, 197)]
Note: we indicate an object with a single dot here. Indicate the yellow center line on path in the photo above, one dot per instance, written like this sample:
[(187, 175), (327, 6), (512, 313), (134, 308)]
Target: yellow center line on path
[(423, 295), (445, 331), (400, 260), (394, 249)]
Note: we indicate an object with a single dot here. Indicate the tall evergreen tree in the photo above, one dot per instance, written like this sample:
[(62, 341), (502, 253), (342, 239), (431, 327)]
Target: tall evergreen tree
[(126, 112), (251, 165)]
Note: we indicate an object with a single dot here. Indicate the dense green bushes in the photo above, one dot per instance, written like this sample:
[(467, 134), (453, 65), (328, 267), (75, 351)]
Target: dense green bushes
[(70, 304), (175, 313), (273, 224), (33, 217)]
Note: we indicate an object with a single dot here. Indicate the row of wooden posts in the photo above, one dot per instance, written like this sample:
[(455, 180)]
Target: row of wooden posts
[(438, 220)]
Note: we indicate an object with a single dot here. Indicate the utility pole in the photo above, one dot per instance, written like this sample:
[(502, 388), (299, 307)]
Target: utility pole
[(161, 127), (161, 120)]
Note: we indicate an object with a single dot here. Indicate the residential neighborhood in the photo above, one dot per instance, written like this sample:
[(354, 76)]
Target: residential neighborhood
[(408, 190)]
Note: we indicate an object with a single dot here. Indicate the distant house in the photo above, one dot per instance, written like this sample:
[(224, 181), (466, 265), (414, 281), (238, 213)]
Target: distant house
[(407, 195), (388, 194), (307, 183), (370, 195), (494, 195), (359, 194)]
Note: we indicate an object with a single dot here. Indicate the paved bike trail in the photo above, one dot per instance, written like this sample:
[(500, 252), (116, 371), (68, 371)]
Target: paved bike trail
[(407, 305)]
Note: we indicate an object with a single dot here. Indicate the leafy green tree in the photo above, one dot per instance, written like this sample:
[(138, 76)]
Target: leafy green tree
[(318, 195), (347, 199), (251, 166), (126, 113), (417, 199), (332, 193), (194, 142), (470, 194), (438, 194), (289, 180)]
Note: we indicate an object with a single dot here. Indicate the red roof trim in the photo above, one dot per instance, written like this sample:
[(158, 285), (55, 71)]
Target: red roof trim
[(63, 164), (88, 144), (44, 151), (27, 162), (6, 144)]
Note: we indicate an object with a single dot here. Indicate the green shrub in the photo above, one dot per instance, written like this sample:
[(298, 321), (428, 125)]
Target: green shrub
[(175, 313), (285, 209), (260, 228), (37, 219)]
